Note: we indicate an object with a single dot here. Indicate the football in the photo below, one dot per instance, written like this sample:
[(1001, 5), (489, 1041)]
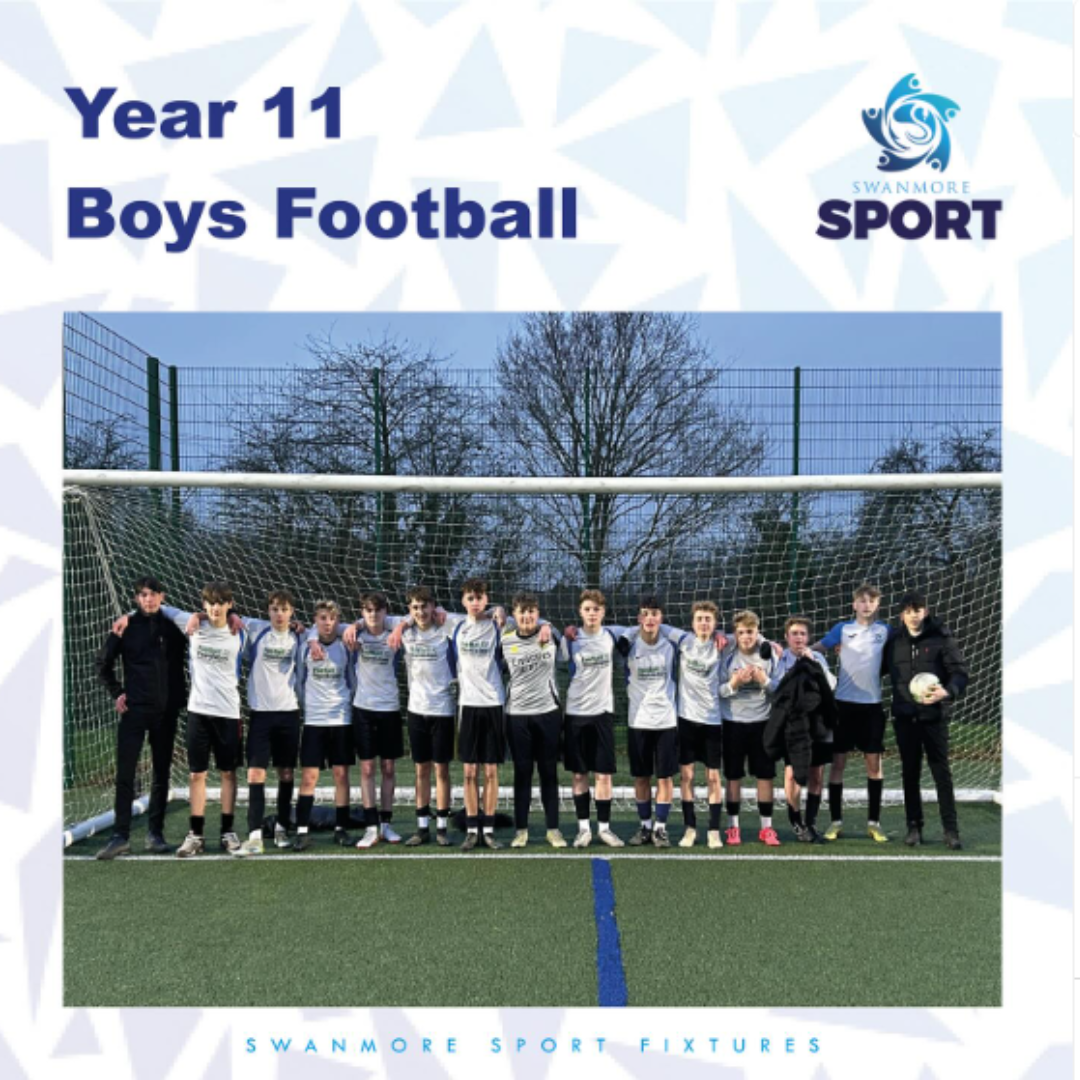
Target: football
[(922, 685)]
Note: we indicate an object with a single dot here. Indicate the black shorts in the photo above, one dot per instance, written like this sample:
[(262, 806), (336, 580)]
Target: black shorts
[(589, 743), (534, 738), (431, 739), (482, 735), (744, 745), (653, 752), (701, 742), (322, 747), (859, 727), (218, 733), (377, 734), (273, 737)]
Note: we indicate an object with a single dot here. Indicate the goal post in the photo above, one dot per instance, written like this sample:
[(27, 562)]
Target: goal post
[(777, 545)]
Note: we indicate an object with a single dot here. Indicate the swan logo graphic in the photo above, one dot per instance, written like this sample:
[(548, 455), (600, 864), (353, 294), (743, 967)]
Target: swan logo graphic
[(912, 128)]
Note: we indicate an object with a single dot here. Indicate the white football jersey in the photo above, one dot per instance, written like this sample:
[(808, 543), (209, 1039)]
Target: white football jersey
[(475, 645), (860, 660), (651, 682), (214, 659), (750, 703), (326, 686), (699, 680), (377, 670), (590, 658), (271, 657), (531, 688), (429, 666)]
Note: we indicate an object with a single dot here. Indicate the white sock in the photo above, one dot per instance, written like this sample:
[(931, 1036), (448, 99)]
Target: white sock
[(255, 834), (473, 829), (440, 822), (583, 825), (766, 822), (733, 822), (301, 829), (605, 826), (423, 822)]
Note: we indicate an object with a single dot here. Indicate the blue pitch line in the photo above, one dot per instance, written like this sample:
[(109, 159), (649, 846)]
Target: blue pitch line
[(610, 977)]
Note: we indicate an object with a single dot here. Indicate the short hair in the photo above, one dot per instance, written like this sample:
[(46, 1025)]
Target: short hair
[(281, 597), (746, 617), (217, 592), (798, 620), (650, 602), (866, 589), (594, 596), (148, 581), (524, 601), (476, 585), (707, 606), (420, 593), (377, 600), (328, 605), (912, 599)]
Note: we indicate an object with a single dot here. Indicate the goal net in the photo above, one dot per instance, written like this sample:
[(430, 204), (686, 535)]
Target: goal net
[(776, 545)]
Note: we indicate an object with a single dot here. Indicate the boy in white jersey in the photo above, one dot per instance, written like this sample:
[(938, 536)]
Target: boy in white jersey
[(213, 712), (589, 726), (376, 714), (746, 668), (474, 643), (652, 736), (700, 720), (326, 690), (861, 718), (425, 642), (797, 638), (274, 724), (534, 719)]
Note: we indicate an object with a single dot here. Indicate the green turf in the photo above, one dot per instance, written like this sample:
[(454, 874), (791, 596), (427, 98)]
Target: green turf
[(285, 930), (842, 934), (328, 934)]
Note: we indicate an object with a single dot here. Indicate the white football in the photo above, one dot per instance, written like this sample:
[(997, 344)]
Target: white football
[(922, 685)]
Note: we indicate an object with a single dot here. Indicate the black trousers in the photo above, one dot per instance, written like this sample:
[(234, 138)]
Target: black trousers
[(136, 725), (912, 738), (534, 741)]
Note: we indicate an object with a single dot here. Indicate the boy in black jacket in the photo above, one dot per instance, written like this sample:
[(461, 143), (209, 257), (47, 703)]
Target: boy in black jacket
[(148, 702), (924, 645)]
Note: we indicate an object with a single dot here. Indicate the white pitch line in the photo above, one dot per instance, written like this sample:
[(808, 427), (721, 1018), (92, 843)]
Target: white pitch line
[(484, 856)]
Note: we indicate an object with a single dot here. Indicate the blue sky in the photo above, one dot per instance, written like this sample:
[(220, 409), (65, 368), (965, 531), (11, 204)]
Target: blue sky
[(885, 339)]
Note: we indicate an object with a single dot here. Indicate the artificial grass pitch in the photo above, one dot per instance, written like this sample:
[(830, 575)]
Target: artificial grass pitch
[(287, 930)]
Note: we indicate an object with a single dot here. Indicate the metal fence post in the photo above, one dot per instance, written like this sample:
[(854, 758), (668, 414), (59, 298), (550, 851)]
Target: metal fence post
[(153, 411), (796, 409)]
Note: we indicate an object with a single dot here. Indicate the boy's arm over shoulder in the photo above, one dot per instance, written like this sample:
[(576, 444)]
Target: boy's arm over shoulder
[(175, 615)]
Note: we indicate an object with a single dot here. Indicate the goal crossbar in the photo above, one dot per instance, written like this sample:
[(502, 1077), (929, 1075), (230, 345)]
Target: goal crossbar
[(535, 485)]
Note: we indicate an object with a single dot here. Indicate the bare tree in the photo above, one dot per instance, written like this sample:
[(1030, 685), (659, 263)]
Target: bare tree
[(621, 394)]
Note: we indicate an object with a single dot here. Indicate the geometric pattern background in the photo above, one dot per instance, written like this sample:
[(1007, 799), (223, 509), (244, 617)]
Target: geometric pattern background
[(702, 137)]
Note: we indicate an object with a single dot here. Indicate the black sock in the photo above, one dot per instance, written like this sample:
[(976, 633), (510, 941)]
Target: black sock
[(198, 823), (371, 817), (765, 809), (714, 816), (284, 803), (256, 806), (732, 810), (303, 810), (794, 816), (873, 795), (487, 822), (581, 806), (813, 803), (227, 822), (423, 813), (341, 817), (836, 801), (385, 817), (603, 811), (472, 822), (689, 814)]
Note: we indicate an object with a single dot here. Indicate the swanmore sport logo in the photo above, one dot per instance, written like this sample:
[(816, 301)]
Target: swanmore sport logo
[(912, 128)]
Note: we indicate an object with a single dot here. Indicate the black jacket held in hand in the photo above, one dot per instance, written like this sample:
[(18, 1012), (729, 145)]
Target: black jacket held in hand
[(152, 649), (803, 712), (935, 650)]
